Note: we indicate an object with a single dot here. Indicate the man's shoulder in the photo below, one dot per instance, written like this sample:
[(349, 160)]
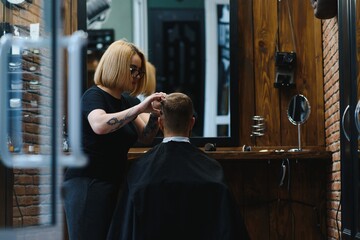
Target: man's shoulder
[(177, 150), (177, 154)]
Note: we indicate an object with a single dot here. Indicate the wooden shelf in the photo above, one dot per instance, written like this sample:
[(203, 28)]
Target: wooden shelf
[(265, 153)]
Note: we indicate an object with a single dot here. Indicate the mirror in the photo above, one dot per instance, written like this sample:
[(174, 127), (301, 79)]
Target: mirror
[(191, 43), (298, 112), (299, 109)]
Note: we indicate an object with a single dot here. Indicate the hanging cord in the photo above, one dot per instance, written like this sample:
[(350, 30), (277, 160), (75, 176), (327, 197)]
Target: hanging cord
[(277, 27), (337, 220), (285, 168), (18, 207), (291, 26)]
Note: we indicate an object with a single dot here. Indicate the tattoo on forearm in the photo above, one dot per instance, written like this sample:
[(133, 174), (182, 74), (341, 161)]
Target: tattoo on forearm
[(151, 127), (118, 123)]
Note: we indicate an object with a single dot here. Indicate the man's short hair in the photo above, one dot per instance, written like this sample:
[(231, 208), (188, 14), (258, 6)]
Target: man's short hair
[(177, 110)]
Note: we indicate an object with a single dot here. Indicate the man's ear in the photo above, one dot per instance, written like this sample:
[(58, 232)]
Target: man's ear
[(161, 125), (192, 122), (191, 125)]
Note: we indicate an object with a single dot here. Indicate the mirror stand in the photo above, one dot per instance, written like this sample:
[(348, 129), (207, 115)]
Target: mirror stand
[(298, 113), (299, 141)]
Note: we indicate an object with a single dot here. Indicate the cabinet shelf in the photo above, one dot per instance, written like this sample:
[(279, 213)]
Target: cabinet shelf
[(22, 71), (24, 91), (34, 109)]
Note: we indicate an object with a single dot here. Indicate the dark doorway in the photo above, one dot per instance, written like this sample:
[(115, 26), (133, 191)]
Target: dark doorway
[(6, 200), (176, 48)]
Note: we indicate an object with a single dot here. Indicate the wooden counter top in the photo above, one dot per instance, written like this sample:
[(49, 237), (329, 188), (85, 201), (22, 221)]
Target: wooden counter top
[(266, 153)]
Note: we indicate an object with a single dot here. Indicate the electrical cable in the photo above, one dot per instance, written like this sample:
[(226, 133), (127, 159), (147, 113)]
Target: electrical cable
[(277, 200), (337, 221), (289, 176), (278, 28), (18, 207), (291, 26), (285, 168), (291, 210)]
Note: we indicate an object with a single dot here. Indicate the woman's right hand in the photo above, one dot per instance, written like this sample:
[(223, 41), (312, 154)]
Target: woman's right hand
[(153, 102)]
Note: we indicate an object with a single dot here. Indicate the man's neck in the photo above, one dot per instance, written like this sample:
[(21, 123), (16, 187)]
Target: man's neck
[(176, 139)]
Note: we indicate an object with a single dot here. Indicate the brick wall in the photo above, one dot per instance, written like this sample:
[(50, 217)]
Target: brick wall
[(332, 123), (32, 198)]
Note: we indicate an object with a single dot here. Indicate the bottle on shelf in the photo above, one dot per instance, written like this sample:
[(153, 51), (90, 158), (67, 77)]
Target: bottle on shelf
[(10, 144), (65, 144)]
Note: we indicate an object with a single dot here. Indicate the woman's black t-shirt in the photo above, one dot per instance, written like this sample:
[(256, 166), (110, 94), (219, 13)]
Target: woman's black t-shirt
[(107, 153)]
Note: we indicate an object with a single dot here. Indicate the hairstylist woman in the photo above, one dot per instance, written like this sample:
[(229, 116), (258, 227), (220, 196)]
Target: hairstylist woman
[(110, 127)]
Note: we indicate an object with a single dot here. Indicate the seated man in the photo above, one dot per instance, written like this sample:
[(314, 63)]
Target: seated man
[(175, 191)]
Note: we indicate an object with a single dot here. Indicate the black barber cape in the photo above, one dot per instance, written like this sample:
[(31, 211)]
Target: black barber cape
[(175, 191)]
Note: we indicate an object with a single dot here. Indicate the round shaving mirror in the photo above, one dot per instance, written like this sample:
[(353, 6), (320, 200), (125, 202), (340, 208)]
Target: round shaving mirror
[(298, 112)]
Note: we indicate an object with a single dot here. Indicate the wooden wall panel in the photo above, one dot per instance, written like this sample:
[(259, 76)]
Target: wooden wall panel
[(246, 69), (293, 25), (70, 19), (309, 77), (295, 210), (250, 188), (288, 40), (266, 96)]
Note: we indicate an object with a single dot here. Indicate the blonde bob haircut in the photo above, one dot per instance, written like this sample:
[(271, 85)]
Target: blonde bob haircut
[(113, 70), (150, 85)]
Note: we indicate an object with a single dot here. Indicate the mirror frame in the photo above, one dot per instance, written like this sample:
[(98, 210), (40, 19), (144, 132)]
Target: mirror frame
[(291, 119), (226, 141)]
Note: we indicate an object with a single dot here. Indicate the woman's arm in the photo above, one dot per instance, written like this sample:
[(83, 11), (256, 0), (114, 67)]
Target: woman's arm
[(103, 123), (147, 124), (149, 130)]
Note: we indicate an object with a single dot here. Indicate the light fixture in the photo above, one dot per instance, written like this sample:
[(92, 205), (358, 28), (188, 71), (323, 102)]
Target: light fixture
[(17, 3)]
